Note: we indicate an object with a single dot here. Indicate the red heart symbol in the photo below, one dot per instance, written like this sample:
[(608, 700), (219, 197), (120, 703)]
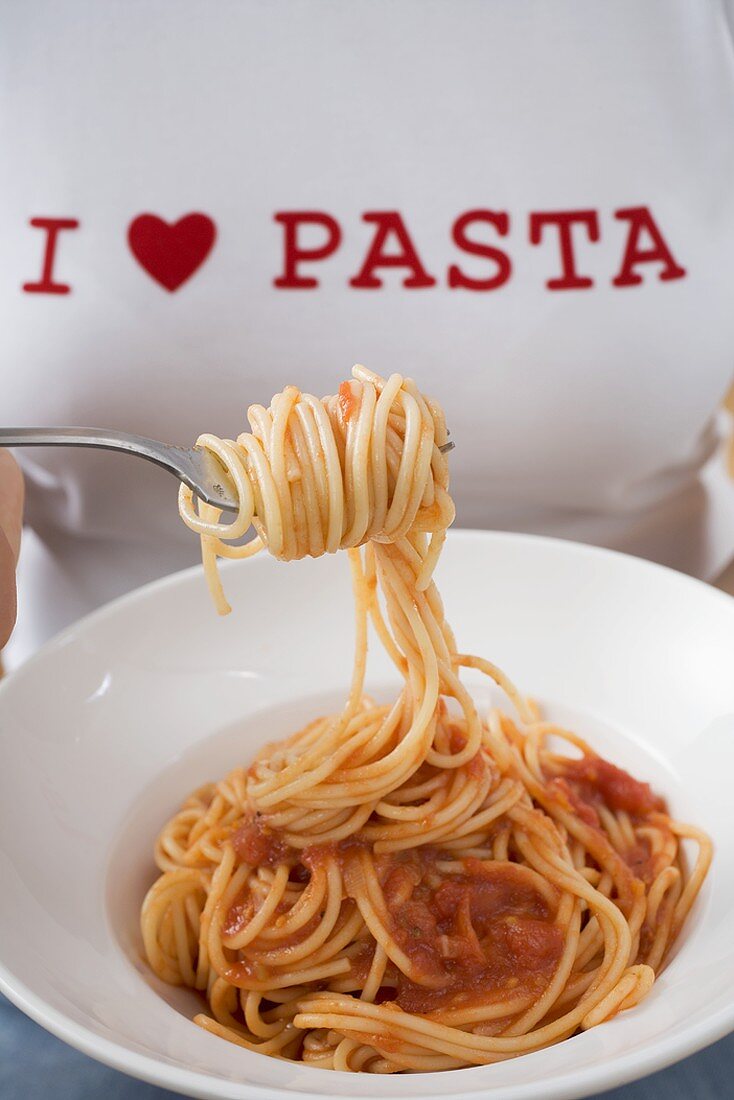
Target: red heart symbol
[(171, 253)]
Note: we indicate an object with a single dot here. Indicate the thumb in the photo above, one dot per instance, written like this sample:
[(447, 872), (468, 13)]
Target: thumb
[(11, 518)]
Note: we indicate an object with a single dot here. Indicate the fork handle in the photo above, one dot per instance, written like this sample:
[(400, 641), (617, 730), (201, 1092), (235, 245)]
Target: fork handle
[(105, 438)]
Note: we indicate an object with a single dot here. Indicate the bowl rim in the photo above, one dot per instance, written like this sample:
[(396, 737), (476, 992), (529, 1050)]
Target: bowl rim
[(572, 1085)]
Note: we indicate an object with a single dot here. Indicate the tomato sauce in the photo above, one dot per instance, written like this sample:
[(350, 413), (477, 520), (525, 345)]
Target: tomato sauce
[(348, 403), (566, 796), (255, 843), (483, 930), (595, 781), (641, 862), (589, 783), (240, 913), (239, 973)]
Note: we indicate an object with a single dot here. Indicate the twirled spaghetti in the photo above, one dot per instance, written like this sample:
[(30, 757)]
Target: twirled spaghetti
[(405, 886)]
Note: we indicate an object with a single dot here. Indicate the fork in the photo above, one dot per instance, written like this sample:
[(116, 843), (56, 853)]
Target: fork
[(195, 466)]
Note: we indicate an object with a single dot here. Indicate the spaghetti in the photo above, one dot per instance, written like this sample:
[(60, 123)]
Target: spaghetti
[(406, 886)]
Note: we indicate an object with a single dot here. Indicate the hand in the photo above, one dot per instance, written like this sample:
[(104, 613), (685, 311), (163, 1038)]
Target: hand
[(11, 517)]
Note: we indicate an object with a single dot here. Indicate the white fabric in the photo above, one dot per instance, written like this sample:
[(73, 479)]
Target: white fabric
[(586, 413)]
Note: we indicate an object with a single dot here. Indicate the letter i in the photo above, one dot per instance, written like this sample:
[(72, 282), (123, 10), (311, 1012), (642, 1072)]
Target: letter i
[(46, 284)]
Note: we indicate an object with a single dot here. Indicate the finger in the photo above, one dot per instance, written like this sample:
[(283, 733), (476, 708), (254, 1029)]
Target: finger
[(11, 501), (7, 589), (11, 518)]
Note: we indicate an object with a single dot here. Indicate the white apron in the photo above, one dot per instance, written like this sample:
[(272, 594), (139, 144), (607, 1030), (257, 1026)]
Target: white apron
[(526, 206)]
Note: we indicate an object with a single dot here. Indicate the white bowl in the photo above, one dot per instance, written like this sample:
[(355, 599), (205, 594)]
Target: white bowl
[(107, 729)]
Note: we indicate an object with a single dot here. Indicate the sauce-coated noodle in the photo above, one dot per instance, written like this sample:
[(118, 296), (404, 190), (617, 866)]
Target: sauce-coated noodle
[(406, 886)]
